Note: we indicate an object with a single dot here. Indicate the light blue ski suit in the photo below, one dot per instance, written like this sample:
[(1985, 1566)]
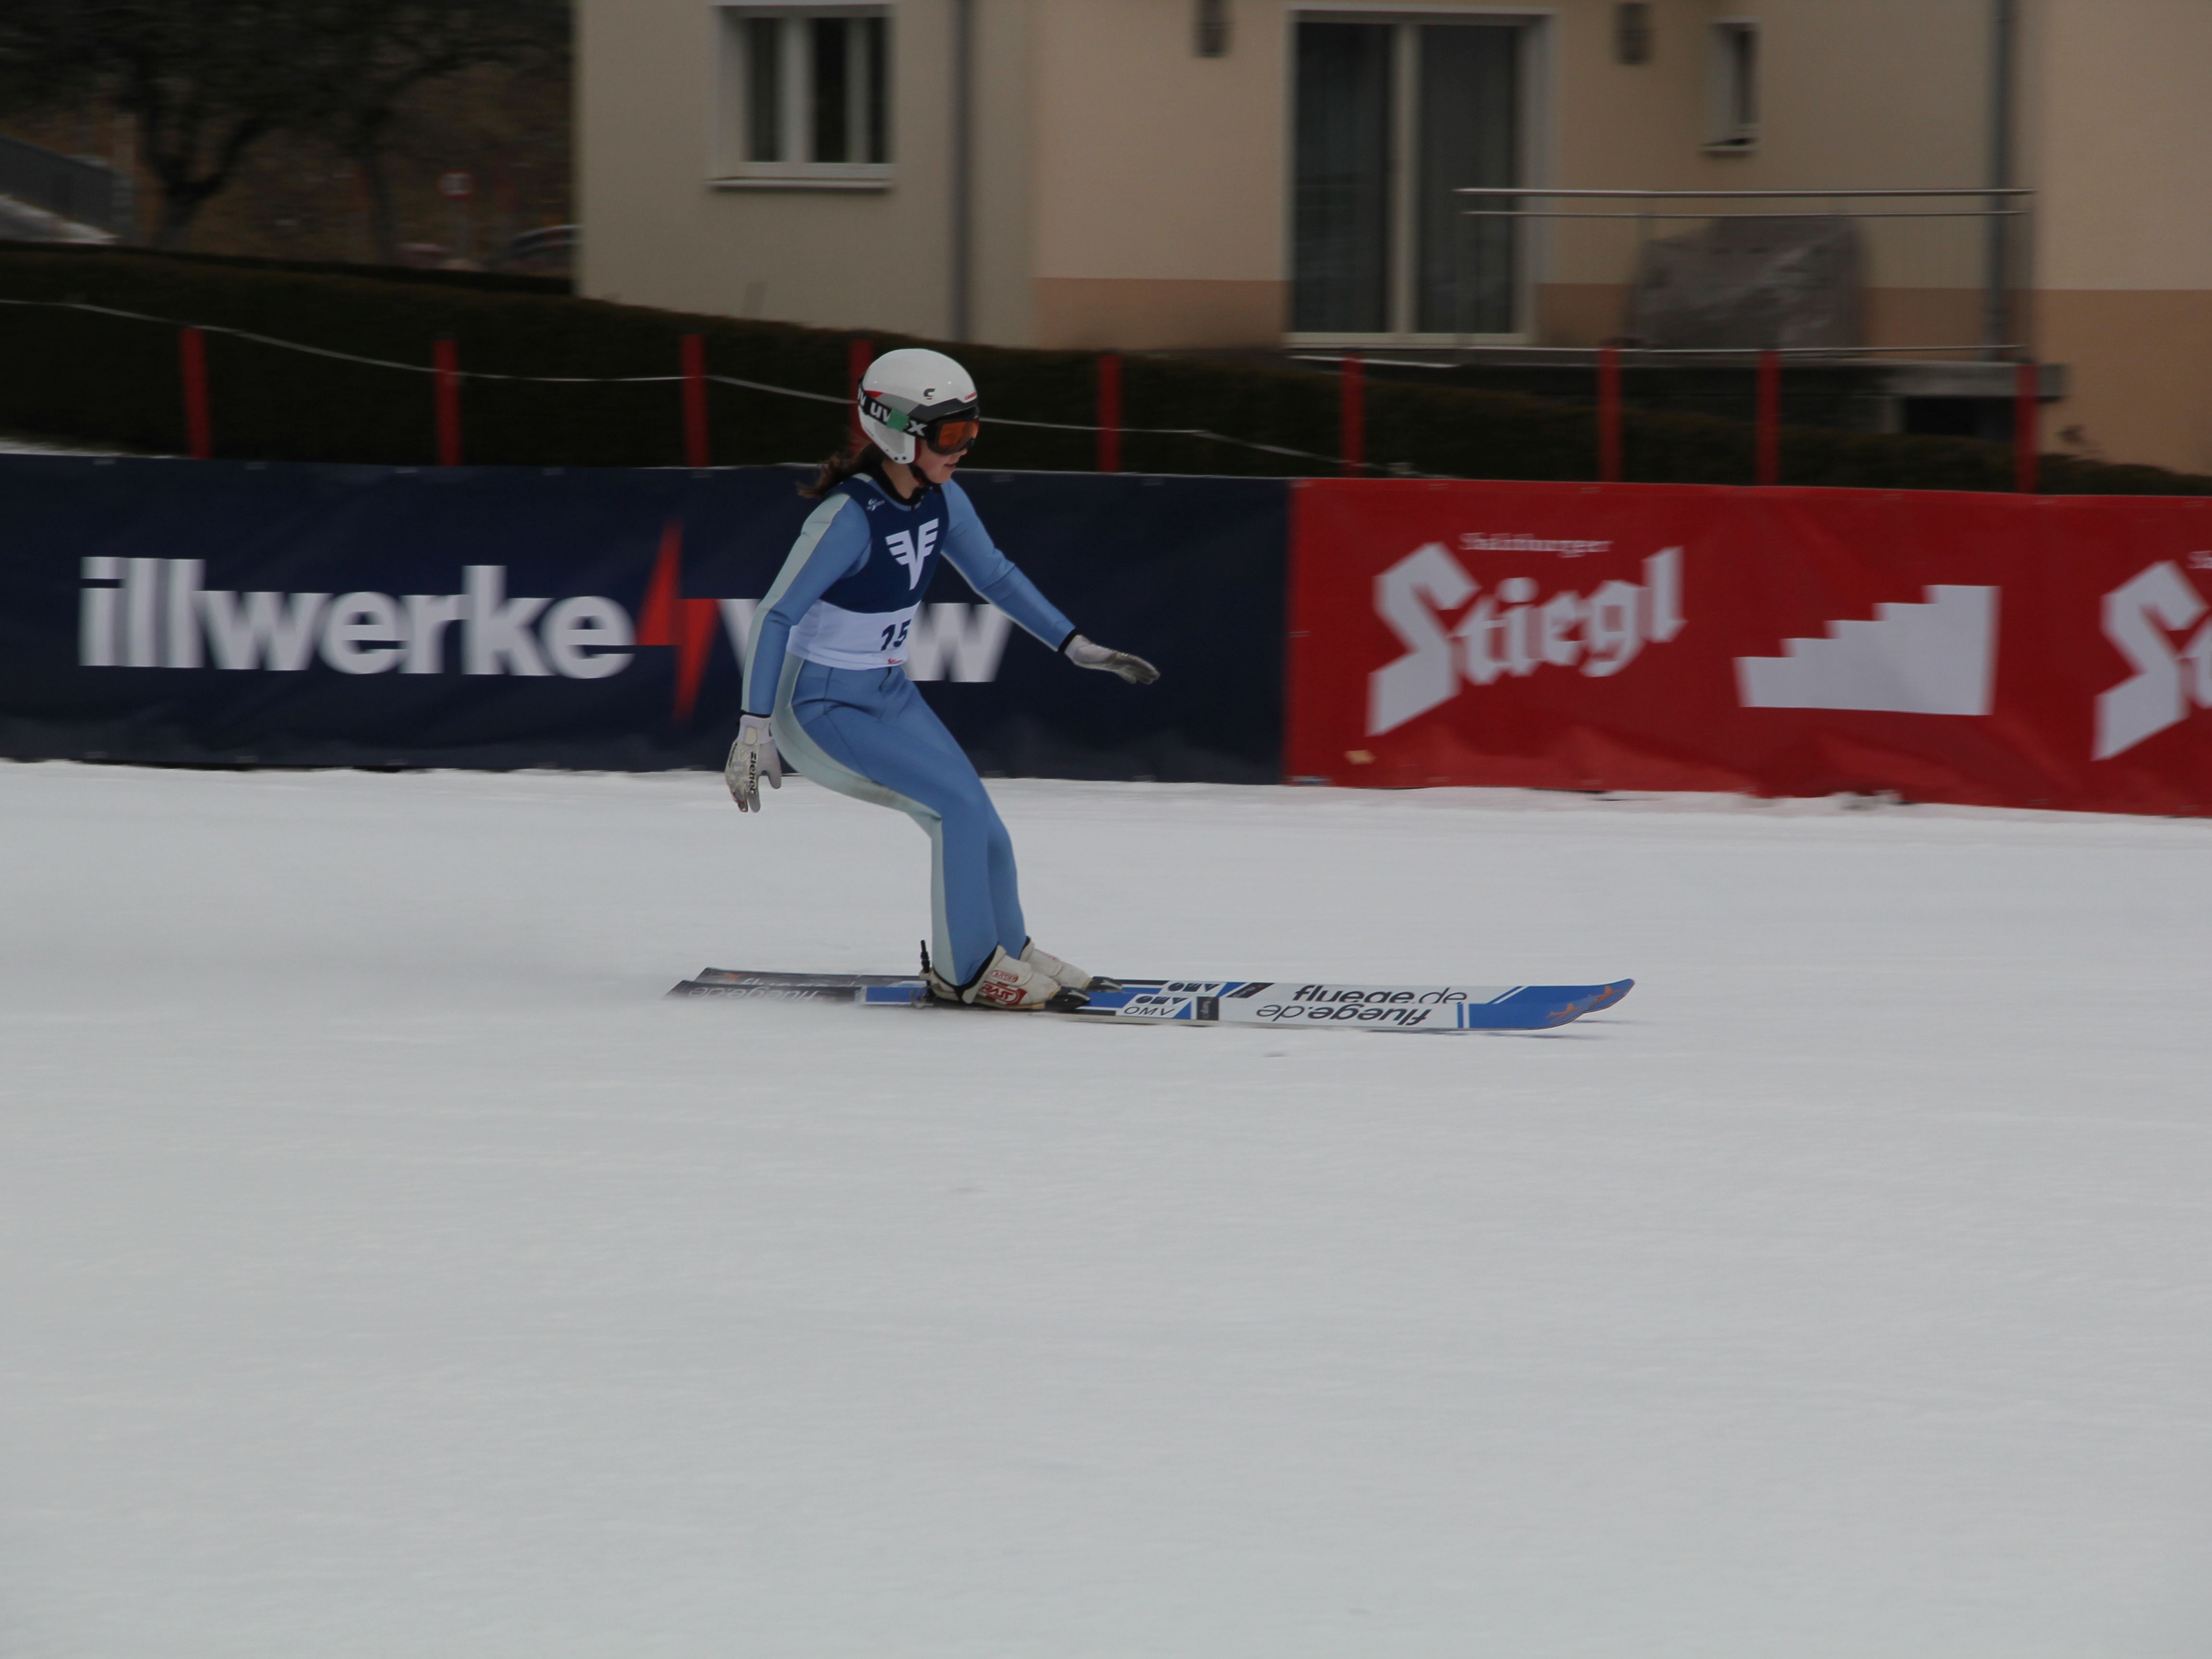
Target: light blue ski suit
[(825, 662)]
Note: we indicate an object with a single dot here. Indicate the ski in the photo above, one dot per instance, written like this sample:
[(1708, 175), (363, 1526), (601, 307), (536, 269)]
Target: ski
[(1276, 1003), (748, 986)]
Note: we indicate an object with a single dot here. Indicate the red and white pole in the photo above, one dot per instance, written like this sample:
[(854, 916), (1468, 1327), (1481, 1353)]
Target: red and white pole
[(1352, 414), (1109, 411), (447, 361), (859, 354), (192, 360), (1608, 414), (695, 451)]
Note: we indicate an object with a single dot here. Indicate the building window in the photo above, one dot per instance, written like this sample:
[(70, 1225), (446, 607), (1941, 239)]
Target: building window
[(1632, 32), (1392, 121), (807, 96), (1734, 123)]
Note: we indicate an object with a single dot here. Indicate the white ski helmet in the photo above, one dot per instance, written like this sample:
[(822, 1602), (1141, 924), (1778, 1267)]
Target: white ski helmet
[(904, 393)]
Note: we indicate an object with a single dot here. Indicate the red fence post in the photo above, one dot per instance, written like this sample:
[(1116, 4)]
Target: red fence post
[(1352, 414), (2026, 427), (192, 357), (1608, 413), (859, 354), (447, 376), (1109, 411), (1770, 418), (695, 451)]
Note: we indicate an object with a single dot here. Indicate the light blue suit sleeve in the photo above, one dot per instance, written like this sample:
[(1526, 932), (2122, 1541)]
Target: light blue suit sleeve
[(832, 544), (994, 575)]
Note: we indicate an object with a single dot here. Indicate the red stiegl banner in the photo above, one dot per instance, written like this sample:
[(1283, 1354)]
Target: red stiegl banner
[(1989, 650)]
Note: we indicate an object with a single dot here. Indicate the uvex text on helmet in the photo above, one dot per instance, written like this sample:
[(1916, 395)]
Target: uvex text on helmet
[(904, 392)]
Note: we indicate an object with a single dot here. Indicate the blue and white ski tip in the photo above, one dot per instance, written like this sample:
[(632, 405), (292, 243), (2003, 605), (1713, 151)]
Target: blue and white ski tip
[(1278, 1003)]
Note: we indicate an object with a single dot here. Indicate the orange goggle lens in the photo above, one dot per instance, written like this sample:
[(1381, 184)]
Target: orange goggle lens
[(950, 437)]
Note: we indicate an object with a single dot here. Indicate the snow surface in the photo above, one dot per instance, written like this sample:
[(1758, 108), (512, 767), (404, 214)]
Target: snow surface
[(387, 1269)]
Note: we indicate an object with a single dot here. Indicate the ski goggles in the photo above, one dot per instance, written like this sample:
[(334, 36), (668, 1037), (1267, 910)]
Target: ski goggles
[(955, 434)]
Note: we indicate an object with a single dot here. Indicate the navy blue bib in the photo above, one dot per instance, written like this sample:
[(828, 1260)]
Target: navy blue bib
[(904, 544)]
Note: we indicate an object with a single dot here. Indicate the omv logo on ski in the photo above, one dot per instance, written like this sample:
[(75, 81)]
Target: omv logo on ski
[(2147, 619), (1507, 632)]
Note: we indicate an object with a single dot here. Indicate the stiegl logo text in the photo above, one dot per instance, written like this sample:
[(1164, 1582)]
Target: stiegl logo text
[(2144, 619), (1596, 635)]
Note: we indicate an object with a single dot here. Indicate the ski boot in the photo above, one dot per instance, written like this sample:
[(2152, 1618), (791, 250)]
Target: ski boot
[(1005, 982), (1066, 973)]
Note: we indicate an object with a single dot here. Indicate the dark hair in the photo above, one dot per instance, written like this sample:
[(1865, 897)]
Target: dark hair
[(859, 455)]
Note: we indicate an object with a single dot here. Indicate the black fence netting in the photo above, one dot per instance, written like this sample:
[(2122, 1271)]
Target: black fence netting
[(325, 364)]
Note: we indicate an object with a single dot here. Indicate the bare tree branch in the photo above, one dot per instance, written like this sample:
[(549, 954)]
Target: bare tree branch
[(380, 52), (209, 81)]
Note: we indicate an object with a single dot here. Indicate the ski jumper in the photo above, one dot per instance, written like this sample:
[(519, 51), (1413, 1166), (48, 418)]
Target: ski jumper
[(824, 661)]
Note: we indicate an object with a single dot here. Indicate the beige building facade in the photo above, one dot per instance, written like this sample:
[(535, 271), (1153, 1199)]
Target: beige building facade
[(1212, 174)]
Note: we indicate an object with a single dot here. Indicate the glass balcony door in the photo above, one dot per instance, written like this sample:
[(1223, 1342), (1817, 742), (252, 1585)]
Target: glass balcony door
[(1342, 213), (1393, 120)]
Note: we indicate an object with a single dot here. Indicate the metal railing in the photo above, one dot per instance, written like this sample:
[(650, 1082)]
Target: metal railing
[(1740, 195), (1998, 209), (87, 192)]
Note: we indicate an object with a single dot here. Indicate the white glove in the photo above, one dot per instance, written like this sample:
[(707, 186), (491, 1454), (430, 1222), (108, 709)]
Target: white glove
[(752, 757), (1136, 669)]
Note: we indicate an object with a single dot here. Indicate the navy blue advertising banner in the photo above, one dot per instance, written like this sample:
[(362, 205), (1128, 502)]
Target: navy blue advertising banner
[(219, 613)]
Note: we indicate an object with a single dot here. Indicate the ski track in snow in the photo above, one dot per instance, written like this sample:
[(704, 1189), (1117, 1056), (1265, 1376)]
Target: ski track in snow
[(385, 1268)]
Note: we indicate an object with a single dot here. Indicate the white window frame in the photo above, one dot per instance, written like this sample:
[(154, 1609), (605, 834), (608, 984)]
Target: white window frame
[(1536, 26), (1728, 132), (732, 168)]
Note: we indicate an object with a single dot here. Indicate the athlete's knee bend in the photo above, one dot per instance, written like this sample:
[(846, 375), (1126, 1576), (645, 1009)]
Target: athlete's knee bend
[(985, 838), (969, 802)]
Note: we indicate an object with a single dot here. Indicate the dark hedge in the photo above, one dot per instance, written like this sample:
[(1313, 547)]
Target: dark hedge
[(73, 375)]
